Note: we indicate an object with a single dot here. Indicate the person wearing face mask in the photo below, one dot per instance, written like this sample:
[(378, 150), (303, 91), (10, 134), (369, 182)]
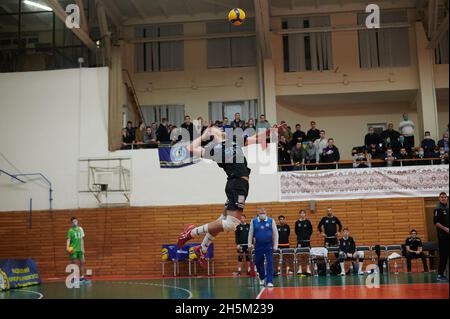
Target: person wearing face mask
[(398, 144), (428, 145), (263, 230), (406, 128), (75, 245), (390, 158), (420, 155), (441, 222), (444, 142)]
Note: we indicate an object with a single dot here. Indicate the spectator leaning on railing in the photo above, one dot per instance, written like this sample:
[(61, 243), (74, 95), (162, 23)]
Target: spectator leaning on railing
[(330, 154), (297, 156), (311, 153), (162, 134), (362, 159), (237, 122), (262, 123), (284, 156), (390, 158), (150, 136), (187, 125), (131, 131), (374, 151)]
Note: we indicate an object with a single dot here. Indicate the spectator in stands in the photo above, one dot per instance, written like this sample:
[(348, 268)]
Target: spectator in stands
[(154, 127), (330, 154), (131, 131), (298, 156), (237, 122), (262, 123), (241, 236), (320, 144), (406, 128), (444, 142), (140, 134), (284, 154), (362, 159), (329, 228), (399, 144), (390, 157), (371, 138), (310, 154), (347, 250), (188, 126), (443, 155), (403, 155), (225, 125), (419, 154), (313, 133), (127, 140), (374, 151), (441, 222), (413, 247), (289, 135), (162, 134), (303, 230), (284, 232), (298, 135), (389, 135), (250, 128), (429, 145), (150, 137)]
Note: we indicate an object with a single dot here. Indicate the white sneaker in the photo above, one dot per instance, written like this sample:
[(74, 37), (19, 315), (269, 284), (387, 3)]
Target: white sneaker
[(270, 285), (262, 282), (342, 273), (360, 272)]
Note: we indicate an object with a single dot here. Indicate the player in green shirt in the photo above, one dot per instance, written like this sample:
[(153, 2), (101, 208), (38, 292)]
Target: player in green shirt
[(75, 245)]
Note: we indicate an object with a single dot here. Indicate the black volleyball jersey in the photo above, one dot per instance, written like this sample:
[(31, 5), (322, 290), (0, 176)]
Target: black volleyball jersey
[(230, 157)]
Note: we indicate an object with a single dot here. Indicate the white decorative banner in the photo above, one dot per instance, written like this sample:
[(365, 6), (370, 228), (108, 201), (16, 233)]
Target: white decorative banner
[(388, 182)]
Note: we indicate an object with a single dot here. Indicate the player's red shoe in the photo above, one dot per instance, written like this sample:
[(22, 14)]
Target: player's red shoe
[(201, 256), (185, 236)]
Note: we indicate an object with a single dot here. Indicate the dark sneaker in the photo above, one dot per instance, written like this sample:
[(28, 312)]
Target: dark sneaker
[(442, 278)]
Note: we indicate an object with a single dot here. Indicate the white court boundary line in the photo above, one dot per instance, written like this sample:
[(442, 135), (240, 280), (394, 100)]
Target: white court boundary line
[(41, 296), (260, 293), (154, 285)]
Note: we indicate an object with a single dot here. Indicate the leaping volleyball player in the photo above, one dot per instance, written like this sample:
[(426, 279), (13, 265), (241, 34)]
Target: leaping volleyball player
[(226, 150)]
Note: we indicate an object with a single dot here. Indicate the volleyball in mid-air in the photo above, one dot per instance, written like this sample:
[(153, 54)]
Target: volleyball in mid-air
[(236, 16)]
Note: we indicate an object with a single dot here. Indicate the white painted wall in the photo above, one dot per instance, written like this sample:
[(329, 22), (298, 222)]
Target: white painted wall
[(40, 116)]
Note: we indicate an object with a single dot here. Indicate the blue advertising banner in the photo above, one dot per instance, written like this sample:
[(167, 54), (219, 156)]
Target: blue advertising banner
[(175, 156), (17, 273)]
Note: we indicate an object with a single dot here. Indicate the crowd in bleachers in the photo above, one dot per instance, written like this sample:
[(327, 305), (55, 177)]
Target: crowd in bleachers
[(300, 150)]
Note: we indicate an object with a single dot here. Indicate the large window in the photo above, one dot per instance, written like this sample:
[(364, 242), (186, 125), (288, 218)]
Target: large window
[(160, 56), (231, 52), (384, 47), (219, 110), (307, 51), (155, 113)]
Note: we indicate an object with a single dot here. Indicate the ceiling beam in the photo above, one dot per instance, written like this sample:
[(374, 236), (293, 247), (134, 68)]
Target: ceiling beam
[(439, 34), (262, 19), (162, 8), (112, 12), (104, 30), (138, 8), (80, 33), (191, 37)]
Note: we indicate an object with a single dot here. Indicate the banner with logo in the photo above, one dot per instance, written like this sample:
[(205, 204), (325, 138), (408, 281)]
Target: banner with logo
[(17, 273), (175, 156), (360, 183)]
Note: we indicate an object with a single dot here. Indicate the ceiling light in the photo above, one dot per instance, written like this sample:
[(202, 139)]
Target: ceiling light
[(37, 5)]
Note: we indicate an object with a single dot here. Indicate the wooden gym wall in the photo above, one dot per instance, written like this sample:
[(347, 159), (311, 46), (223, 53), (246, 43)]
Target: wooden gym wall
[(128, 241)]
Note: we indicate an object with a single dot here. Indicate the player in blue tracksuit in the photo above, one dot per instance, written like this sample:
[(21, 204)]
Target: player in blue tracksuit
[(264, 230)]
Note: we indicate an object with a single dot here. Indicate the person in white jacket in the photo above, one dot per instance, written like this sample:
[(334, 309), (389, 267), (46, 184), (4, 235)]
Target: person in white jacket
[(263, 230), (320, 144), (406, 128)]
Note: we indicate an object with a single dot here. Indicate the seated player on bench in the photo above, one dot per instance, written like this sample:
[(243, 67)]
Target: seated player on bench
[(347, 251), (414, 250)]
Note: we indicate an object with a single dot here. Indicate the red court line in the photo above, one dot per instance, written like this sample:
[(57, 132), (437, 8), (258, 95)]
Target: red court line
[(393, 291)]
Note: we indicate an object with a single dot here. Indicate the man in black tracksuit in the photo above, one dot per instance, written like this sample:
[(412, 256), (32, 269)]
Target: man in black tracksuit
[(441, 222), (347, 250), (330, 227), (242, 244), (413, 247), (303, 230), (284, 231)]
